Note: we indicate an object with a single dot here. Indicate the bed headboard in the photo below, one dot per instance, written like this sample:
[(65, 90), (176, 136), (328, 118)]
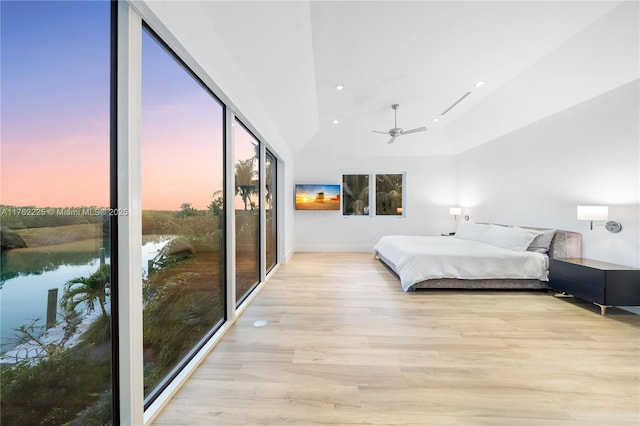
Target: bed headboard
[(564, 243)]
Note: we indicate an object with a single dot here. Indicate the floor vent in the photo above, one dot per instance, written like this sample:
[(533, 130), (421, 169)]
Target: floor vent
[(260, 323)]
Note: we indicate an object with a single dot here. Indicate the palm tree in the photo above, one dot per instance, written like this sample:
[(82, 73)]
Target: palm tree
[(244, 180), (88, 290), (270, 179), (217, 205)]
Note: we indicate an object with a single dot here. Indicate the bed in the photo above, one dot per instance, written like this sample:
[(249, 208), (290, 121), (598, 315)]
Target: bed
[(479, 256)]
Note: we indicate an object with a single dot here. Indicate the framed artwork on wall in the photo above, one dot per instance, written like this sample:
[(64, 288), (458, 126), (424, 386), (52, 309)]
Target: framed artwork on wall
[(317, 197)]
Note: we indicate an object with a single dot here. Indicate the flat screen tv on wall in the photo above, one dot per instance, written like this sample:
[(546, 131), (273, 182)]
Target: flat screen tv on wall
[(317, 197)]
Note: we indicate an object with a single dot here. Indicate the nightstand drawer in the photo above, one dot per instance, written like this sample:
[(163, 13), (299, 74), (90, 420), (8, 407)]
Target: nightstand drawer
[(578, 288), (590, 276), (623, 288)]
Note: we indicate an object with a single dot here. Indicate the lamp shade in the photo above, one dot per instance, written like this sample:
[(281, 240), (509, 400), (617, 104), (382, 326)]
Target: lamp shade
[(455, 211), (593, 212)]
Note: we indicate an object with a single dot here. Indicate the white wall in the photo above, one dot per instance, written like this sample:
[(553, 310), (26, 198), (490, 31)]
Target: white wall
[(604, 56), (430, 190), (535, 176), (588, 154)]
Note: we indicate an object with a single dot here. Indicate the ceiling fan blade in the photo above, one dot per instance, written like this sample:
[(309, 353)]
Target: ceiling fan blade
[(378, 131), (416, 130), (392, 140)]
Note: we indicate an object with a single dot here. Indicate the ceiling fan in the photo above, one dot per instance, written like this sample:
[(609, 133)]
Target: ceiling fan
[(397, 131)]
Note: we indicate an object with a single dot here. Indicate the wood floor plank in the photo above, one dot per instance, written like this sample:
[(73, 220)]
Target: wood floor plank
[(345, 345)]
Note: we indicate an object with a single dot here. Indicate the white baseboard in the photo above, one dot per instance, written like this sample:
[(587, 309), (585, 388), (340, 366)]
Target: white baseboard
[(335, 248), (287, 256)]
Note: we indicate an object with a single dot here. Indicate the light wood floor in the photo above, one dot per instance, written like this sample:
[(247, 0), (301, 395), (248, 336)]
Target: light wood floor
[(345, 345)]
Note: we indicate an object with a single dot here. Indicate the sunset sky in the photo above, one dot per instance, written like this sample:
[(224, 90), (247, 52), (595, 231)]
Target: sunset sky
[(55, 114), (310, 191), (182, 155), (55, 103)]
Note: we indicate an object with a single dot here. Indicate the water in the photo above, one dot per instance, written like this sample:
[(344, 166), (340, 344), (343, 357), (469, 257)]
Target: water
[(27, 278)]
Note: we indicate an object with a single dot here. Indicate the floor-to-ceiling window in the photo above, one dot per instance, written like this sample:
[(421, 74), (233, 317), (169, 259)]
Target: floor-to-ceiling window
[(271, 213), (55, 316), (55, 214), (182, 213), (247, 209)]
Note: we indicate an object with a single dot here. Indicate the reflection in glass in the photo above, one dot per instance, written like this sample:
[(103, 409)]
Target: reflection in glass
[(55, 313), (271, 164), (389, 195), (355, 195), (182, 214), (247, 208)]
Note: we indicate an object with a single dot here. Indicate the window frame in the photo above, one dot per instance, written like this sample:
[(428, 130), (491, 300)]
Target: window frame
[(274, 208), (184, 362), (369, 194), (373, 195), (404, 195), (130, 18)]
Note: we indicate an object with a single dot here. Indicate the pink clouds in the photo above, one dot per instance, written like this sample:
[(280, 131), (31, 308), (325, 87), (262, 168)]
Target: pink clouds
[(70, 169)]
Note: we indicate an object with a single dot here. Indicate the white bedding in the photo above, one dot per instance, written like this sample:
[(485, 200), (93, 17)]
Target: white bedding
[(417, 258)]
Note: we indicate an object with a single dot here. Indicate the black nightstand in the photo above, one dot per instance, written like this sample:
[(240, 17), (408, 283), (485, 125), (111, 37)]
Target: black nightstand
[(602, 283)]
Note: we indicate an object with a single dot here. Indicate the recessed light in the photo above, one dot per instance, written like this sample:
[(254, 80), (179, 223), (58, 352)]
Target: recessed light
[(335, 121), (480, 83), (339, 87), (435, 120)]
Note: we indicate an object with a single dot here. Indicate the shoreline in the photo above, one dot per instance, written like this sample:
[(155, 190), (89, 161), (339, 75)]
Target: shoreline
[(34, 353)]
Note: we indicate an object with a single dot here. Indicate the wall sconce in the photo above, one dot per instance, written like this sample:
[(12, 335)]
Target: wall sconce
[(601, 213), (455, 212)]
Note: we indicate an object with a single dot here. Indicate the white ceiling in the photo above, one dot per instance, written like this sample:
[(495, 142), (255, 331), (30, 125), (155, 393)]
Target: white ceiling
[(423, 55)]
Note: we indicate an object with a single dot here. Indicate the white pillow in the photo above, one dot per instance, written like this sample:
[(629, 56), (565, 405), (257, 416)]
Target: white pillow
[(516, 239), (542, 242), (471, 231)]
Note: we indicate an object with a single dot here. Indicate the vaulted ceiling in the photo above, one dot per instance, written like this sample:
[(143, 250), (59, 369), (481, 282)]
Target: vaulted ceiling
[(536, 58)]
